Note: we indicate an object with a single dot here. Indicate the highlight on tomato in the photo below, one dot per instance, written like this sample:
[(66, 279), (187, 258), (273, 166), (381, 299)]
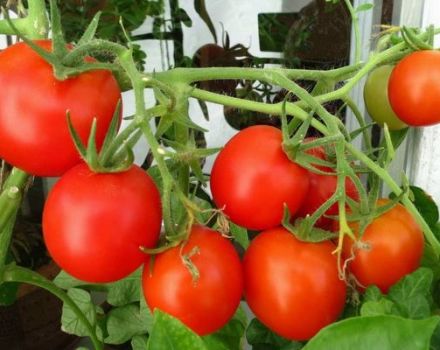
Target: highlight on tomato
[(413, 88), (94, 224), (34, 134), (205, 297), (390, 248), (252, 178), (292, 287)]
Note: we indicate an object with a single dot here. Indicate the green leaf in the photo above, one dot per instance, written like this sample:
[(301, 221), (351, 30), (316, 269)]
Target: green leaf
[(123, 323), (146, 315), (231, 336), (411, 294), (373, 293), (375, 332), (125, 291), (65, 281), (258, 334), (364, 7), (139, 342), (240, 235), (376, 308), (8, 293), (425, 205), (70, 323), (170, 333)]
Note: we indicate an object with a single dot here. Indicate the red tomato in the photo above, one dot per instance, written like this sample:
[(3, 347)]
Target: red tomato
[(33, 128), (413, 88), (208, 303), (321, 188), (393, 247), (93, 224), (292, 286), (252, 178)]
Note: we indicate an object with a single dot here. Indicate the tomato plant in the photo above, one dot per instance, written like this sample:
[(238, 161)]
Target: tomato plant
[(252, 178), (390, 248), (293, 287), (206, 299), (376, 98), (321, 188), (94, 224), (42, 144), (413, 90)]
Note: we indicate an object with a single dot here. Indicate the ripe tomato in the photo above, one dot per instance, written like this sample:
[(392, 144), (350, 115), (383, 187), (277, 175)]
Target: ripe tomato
[(413, 88), (252, 178), (376, 98), (321, 188), (292, 286), (393, 247), (205, 304), (93, 224), (33, 128)]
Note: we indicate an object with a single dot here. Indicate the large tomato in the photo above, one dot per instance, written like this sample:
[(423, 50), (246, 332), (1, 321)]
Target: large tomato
[(292, 286), (206, 303), (413, 88), (376, 98), (321, 188), (252, 179), (33, 128), (94, 224), (390, 248)]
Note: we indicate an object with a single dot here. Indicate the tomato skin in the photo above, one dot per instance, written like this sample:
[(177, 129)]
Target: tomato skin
[(33, 128), (93, 224), (413, 88), (395, 248), (204, 305), (252, 178), (376, 98), (292, 286), (321, 188)]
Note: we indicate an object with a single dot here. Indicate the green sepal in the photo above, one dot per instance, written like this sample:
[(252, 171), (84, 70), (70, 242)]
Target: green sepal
[(90, 31), (291, 145), (359, 131), (75, 137), (59, 48), (304, 230), (413, 41), (92, 152), (111, 133)]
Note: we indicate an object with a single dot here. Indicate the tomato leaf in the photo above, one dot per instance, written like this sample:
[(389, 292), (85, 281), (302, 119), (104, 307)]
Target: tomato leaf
[(170, 333), (125, 291), (375, 332), (411, 294), (123, 323), (425, 205), (382, 306), (139, 342), (184, 18), (70, 323), (231, 336), (8, 293), (66, 281), (240, 235), (261, 337)]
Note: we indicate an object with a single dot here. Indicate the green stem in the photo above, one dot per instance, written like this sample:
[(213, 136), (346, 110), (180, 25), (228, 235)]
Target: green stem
[(355, 27), (34, 25), (14, 273)]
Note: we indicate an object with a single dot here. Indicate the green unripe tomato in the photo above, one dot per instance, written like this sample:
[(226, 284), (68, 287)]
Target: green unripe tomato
[(376, 98)]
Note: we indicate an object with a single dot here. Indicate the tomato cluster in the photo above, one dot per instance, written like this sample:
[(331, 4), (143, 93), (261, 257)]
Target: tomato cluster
[(95, 224)]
